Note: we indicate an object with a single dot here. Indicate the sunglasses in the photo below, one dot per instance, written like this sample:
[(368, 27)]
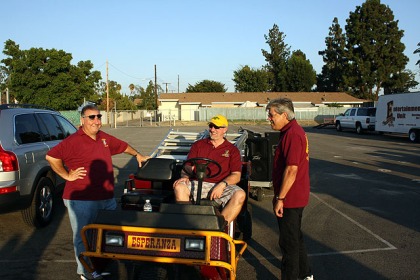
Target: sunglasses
[(92, 117), (215, 126)]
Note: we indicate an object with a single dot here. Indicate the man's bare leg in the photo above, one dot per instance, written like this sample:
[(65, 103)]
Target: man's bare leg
[(234, 206), (182, 193)]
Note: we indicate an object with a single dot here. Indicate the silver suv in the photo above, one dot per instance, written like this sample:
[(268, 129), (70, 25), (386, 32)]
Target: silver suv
[(27, 182)]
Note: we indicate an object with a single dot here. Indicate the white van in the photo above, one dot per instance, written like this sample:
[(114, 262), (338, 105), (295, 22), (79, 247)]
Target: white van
[(399, 113)]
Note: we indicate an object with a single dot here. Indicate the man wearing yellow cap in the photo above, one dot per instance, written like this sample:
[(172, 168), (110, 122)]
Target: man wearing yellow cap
[(221, 188)]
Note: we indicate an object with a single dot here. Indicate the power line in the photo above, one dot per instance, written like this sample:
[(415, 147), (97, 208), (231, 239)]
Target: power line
[(128, 75)]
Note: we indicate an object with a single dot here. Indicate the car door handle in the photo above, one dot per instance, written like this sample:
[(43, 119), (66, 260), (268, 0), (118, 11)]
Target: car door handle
[(29, 157)]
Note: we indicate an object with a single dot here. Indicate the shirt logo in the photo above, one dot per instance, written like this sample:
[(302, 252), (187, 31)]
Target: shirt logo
[(226, 154), (104, 141)]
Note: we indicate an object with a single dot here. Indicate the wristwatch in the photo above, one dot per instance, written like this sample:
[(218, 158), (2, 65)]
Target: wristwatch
[(280, 198), (225, 183)]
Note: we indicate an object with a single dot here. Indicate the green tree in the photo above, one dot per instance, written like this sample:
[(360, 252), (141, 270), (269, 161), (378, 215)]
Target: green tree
[(276, 58), (300, 74), (374, 49), (116, 99), (136, 91), (400, 82), (124, 103), (417, 51), (207, 86), (251, 80), (331, 77), (46, 77), (148, 97)]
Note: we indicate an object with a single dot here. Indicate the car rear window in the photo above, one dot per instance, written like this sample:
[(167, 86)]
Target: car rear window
[(26, 129), (370, 112), (362, 112)]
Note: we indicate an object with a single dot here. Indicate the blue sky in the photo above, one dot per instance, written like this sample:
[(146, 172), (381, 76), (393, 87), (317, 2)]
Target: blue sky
[(191, 40)]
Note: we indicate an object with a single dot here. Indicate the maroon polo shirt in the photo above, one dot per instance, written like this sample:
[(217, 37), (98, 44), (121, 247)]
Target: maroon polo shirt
[(79, 150), (226, 154), (292, 149)]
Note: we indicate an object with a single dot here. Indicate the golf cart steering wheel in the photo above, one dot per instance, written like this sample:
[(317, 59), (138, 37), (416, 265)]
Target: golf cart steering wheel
[(201, 170)]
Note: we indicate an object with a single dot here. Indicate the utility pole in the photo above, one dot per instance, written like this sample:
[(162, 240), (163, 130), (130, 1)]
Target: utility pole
[(178, 83), (107, 96), (166, 84), (156, 95)]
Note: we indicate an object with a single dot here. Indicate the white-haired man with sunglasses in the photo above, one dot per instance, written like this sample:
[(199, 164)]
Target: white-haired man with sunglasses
[(84, 160), (221, 188)]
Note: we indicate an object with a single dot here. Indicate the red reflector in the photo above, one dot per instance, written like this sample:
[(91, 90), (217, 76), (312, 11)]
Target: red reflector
[(8, 190), (141, 184)]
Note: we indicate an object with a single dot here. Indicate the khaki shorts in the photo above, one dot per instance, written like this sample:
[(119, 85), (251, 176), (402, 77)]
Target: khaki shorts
[(206, 191)]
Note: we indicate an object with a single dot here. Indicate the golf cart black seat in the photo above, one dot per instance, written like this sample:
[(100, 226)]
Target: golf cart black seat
[(159, 173), (157, 169)]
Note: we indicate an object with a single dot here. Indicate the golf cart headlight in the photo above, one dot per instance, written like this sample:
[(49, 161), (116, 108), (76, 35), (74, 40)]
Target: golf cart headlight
[(114, 239), (194, 244)]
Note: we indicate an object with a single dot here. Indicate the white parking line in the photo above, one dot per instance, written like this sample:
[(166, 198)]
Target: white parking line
[(390, 246)]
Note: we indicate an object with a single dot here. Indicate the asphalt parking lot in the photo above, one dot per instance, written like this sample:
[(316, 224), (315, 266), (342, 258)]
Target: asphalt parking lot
[(363, 220)]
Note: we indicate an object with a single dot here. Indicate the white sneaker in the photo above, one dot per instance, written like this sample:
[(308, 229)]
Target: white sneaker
[(311, 277), (89, 276)]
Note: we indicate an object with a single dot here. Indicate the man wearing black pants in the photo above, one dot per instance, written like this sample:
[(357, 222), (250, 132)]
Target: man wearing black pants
[(291, 188)]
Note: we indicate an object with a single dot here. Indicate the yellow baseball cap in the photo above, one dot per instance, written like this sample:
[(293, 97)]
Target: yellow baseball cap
[(219, 121)]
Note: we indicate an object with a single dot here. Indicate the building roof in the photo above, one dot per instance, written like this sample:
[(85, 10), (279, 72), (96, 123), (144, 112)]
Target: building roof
[(262, 98)]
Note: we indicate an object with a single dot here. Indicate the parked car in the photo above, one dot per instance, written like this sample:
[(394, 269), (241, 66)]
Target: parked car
[(360, 119), (27, 183)]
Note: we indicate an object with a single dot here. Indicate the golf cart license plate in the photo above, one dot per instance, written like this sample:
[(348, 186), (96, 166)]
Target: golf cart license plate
[(154, 243)]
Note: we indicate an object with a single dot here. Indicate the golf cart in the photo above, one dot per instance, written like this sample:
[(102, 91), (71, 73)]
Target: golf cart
[(175, 240)]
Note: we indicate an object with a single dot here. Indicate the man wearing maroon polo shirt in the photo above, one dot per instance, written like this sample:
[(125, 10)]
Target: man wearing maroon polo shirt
[(291, 188), (84, 160), (222, 188)]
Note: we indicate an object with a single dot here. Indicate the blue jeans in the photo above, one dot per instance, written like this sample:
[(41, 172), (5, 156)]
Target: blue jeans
[(295, 262), (81, 213)]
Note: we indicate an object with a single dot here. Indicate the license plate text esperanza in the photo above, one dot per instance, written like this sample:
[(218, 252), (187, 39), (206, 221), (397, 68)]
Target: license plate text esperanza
[(154, 243)]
